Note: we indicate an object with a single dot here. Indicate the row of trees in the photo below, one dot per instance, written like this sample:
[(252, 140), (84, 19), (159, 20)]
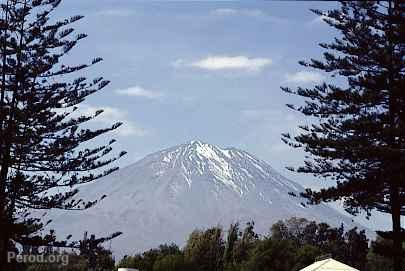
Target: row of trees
[(73, 260), (87, 254), (292, 245)]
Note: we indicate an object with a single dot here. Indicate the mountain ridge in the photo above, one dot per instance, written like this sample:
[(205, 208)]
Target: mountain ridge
[(166, 195)]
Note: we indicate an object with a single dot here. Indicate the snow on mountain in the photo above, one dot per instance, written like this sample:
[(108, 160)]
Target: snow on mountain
[(167, 194)]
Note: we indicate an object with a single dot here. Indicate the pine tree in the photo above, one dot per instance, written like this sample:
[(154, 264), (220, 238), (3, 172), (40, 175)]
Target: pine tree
[(42, 152), (358, 141)]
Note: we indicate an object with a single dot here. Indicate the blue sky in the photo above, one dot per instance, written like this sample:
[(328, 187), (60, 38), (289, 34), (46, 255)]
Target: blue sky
[(201, 70), (204, 70)]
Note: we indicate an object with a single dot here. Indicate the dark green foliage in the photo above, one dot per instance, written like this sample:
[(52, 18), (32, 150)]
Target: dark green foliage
[(292, 245), (308, 237), (356, 252), (231, 243), (238, 245), (358, 140), (379, 257), (42, 137), (93, 251), (271, 255), (205, 250), (73, 261), (166, 257), (306, 255), (170, 263)]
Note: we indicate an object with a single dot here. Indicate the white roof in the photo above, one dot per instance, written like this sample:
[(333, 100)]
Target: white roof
[(328, 265)]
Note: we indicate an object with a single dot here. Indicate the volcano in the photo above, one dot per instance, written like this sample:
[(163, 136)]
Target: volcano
[(163, 197)]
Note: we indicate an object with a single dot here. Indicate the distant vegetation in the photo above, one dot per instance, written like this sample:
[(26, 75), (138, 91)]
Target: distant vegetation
[(76, 262), (290, 245)]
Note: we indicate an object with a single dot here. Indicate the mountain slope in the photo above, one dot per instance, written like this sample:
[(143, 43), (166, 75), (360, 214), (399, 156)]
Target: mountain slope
[(166, 195)]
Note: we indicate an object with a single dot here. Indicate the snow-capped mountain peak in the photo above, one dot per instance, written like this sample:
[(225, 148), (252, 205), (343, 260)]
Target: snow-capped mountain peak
[(167, 194), (226, 167)]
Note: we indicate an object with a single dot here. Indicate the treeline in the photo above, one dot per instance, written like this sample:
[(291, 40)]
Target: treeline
[(291, 245), (69, 260)]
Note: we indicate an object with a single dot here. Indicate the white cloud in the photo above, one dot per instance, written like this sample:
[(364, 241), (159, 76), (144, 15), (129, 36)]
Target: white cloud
[(138, 91), (114, 12), (215, 63), (305, 77), (253, 13), (224, 11), (238, 12), (112, 115)]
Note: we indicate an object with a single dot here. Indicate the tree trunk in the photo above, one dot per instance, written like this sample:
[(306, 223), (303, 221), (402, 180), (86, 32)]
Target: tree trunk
[(4, 264), (3, 174), (396, 230), (394, 109), (4, 227)]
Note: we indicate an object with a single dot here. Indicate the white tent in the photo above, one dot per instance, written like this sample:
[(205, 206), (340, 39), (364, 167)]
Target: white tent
[(328, 265)]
